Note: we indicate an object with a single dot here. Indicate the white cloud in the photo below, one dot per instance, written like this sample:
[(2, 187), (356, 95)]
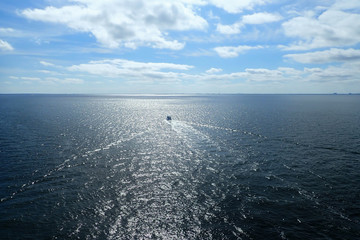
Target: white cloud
[(6, 31), (346, 4), (125, 23), (153, 74), (46, 63), (49, 80), (131, 70), (31, 78), (256, 75), (237, 6), (15, 33), (331, 74), (132, 65), (284, 75), (260, 18), (290, 71), (253, 19), (229, 29), (337, 26), (199, 52), (231, 52), (212, 16), (213, 70), (327, 56), (344, 73), (54, 80), (5, 46), (261, 75)]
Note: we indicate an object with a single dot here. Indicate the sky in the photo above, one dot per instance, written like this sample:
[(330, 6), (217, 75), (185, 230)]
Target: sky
[(179, 46)]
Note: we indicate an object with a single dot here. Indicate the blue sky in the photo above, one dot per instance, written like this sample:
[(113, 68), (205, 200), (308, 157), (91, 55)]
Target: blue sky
[(182, 46)]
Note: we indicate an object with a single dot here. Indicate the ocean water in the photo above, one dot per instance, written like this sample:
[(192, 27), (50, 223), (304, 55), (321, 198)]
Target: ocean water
[(224, 167)]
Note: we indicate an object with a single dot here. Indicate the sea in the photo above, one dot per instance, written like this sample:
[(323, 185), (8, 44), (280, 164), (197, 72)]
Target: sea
[(224, 166)]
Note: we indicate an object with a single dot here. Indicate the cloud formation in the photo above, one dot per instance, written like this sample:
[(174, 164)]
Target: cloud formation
[(131, 70), (6, 31), (320, 32), (137, 23), (261, 18), (231, 52), (5, 46), (49, 80), (46, 63), (327, 56), (252, 19), (213, 70), (125, 23), (236, 6), (337, 26)]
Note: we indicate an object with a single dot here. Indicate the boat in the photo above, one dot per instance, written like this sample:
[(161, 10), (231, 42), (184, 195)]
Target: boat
[(168, 118)]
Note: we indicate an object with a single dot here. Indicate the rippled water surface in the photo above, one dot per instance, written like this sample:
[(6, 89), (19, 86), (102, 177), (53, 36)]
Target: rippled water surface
[(224, 167)]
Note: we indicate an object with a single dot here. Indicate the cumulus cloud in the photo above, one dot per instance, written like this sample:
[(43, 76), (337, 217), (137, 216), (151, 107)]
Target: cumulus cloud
[(229, 29), (5, 46), (337, 26), (256, 75), (133, 65), (231, 52), (237, 6), (213, 70), (131, 70), (159, 72), (125, 23), (262, 74), (165, 73), (260, 18), (344, 73), (327, 56), (253, 19), (346, 4)]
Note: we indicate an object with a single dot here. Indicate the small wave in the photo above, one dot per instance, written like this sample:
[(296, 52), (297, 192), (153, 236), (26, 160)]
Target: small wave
[(66, 164), (113, 144), (288, 141), (40, 179), (228, 129), (186, 129), (192, 137)]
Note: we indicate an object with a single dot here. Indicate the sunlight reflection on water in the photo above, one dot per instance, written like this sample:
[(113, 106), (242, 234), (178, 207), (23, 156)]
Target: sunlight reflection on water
[(114, 168)]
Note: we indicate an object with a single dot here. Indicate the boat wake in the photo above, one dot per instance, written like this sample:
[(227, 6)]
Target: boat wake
[(73, 161), (192, 137)]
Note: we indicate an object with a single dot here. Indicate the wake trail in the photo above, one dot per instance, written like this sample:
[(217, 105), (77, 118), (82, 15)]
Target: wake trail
[(66, 164), (283, 140), (113, 144), (192, 137), (311, 196)]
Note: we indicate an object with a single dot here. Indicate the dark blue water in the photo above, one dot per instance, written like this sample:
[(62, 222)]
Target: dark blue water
[(224, 167)]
